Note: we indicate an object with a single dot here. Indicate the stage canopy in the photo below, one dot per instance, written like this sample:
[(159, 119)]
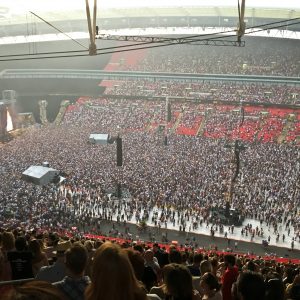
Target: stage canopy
[(39, 175), (98, 138)]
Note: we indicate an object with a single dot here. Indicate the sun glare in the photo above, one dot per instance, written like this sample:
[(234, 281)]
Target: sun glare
[(9, 126)]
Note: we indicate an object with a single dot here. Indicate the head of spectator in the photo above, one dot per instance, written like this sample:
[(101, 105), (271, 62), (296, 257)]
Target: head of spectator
[(89, 245), (215, 265), (209, 285), (288, 275), (195, 267), (62, 247), (35, 290), (250, 266), (239, 264), (178, 282), (98, 244), (52, 239), (184, 257), (112, 276), (205, 267), (139, 248), (272, 275), (156, 247), (275, 289), (35, 247), (229, 260), (8, 241), (250, 286), (137, 262), (76, 259), (175, 256), (148, 256), (190, 258), (21, 243)]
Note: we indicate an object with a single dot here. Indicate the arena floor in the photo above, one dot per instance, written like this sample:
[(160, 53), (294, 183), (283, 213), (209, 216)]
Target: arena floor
[(204, 238)]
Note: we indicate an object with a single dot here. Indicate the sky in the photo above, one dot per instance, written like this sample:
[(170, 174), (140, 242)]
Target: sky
[(20, 6)]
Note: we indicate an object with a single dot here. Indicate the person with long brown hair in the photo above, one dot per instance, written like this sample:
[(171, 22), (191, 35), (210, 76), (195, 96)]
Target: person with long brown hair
[(178, 283), (39, 257), (113, 277), (7, 244), (40, 290)]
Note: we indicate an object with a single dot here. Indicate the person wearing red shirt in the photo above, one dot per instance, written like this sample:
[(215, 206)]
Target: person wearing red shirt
[(230, 276)]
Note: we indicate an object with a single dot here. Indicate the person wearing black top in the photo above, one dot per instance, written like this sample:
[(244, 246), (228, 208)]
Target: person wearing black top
[(20, 260)]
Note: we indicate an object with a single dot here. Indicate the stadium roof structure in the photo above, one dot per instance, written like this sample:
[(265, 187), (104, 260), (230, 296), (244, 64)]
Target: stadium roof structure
[(201, 11), (14, 22)]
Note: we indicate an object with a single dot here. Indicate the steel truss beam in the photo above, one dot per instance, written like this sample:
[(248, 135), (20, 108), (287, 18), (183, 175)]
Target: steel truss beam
[(145, 39)]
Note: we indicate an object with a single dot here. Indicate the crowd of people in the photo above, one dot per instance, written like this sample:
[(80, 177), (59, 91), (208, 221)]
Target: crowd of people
[(265, 124), (214, 91), (173, 186), (260, 57), (175, 175), (58, 267)]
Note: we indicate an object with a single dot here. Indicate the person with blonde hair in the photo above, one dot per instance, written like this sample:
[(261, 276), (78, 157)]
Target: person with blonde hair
[(210, 287), (205, 267), (113, 277)]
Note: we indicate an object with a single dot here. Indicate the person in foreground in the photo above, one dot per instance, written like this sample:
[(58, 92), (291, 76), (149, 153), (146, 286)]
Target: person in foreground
[(113, 277), (34, 290), (210, 287), (178, 283), (250, 286), (75, 283), (229, 277)]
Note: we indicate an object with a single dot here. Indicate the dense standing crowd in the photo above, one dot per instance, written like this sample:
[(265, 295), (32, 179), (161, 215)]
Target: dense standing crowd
[(261, 56), (220, 91), (174, 185)]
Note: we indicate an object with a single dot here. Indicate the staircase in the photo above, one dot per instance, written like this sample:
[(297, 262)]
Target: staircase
[(201, 127), (150, 127), (63, 107), (259, 128), (43, 111), (289, 126), (132, 58), (114, 62), (173, 129)]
